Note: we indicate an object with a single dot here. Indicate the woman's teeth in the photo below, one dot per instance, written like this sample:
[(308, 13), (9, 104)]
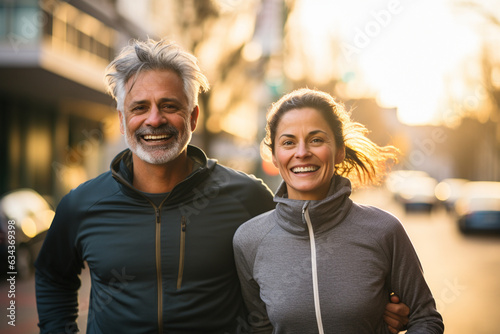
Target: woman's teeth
[(305, 169)]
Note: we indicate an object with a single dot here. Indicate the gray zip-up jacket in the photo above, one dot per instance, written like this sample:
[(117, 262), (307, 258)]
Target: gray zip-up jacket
[(328, 267)]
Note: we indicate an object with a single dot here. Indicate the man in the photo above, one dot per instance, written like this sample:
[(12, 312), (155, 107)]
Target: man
[(156, 230)]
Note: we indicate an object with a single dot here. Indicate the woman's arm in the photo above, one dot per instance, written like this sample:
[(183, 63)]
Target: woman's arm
[(408, 282), (257, 318)]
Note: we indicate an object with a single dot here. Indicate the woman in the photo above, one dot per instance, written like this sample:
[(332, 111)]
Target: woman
[(319, 262)]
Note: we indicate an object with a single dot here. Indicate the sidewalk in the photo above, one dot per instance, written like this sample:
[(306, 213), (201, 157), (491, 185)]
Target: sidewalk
[(26, 317)]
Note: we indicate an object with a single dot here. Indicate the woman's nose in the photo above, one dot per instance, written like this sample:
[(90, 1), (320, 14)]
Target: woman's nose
[(302, 150)]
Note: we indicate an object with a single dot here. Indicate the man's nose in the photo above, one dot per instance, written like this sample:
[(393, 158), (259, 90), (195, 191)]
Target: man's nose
[(155, 117)]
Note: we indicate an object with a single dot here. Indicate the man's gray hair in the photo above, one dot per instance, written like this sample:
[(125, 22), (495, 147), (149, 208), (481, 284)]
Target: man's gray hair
[(141, 56)]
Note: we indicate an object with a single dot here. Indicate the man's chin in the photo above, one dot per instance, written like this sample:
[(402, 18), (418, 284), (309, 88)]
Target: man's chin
[(157, 156), (160, 154)]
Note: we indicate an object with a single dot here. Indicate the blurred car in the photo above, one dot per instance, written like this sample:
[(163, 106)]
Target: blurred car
[(478, 208), (413, 189), (449, 190), (31, 216)]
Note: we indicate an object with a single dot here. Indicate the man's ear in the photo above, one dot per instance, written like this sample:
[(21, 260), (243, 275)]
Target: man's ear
[(194, 117), (122, 129), (340, 155)]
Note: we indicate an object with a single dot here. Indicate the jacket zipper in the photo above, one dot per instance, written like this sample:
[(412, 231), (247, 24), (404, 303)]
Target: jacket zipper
[(305, 214), (181, 252), (158, 250), (158, 270)]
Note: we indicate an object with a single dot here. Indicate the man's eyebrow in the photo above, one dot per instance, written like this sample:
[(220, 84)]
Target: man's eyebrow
[(133, 103), (162, 100), (170, 99)]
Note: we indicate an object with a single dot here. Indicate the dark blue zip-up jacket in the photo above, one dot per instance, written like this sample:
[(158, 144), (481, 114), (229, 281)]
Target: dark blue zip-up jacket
[(166, 268)]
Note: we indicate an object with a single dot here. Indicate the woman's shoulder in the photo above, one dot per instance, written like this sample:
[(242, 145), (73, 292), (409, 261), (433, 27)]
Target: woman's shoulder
[(255, 229), (374, 218)]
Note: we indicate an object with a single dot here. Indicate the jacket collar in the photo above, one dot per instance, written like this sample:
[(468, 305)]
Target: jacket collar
[(122, 171), (325, 214)]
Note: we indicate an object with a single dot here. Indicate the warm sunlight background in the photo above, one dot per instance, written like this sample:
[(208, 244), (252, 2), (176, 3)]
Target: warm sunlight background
[(417, 56)]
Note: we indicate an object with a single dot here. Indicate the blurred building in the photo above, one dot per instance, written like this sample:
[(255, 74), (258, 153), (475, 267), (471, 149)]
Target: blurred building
[(54, 113), (59, 127)]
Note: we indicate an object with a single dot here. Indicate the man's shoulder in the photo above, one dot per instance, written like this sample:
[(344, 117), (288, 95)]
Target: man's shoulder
[(93, 190), (234, 176), (245, 188)]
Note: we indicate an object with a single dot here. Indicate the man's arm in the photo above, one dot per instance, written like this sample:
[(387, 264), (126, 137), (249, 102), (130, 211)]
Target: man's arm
[(57, 280), (57, 305), (396, 314)]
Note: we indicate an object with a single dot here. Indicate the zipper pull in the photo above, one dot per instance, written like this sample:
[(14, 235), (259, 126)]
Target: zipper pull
[(183, 224), (157, 216)]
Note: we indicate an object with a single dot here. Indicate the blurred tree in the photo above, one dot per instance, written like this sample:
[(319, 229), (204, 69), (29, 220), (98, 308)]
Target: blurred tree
[(221, 35), (489, 25)]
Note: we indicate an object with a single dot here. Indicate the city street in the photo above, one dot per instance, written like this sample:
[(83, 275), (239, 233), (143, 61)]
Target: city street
[(462, 271)]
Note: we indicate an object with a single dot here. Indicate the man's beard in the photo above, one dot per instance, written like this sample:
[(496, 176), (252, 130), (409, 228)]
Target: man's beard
[(160, 154)]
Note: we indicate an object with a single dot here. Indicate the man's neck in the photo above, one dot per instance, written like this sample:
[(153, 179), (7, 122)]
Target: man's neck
[(156, 179)]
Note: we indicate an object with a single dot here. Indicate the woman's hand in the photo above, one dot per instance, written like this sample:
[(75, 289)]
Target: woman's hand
[(396, 315)]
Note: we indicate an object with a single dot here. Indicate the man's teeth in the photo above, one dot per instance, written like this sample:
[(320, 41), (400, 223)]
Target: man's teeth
[(305, 169), (155, 137)]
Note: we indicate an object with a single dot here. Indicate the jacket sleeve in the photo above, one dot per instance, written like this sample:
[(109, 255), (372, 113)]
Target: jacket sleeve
[(257, 313), (57, 271), (407, 280)]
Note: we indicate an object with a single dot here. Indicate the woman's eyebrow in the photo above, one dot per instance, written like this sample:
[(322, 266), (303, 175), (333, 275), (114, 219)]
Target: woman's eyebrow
[(314, 132)]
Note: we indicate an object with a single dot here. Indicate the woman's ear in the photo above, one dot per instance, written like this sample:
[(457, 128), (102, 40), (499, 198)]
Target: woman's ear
[(340, 155), (275, 163)]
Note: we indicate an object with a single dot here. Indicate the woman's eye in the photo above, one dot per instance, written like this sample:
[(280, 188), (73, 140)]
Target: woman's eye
[(287, 143), (317, 140)]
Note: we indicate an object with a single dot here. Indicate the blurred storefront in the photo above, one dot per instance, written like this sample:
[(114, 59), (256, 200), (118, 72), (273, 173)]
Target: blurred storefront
[(55, 116), (59, 127)]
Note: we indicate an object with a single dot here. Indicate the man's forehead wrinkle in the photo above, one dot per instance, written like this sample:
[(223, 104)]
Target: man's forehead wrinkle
[(147, 88)]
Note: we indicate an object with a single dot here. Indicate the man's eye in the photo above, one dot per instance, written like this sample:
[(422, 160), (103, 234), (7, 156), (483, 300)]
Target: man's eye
[(139, 108), (169, 107)]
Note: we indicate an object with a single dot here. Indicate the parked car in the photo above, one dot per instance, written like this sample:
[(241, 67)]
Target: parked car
[(478, 208), (28, 215), (413, 189), (449, 190)]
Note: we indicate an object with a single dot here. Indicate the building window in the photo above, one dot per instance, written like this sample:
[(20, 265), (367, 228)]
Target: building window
[(20, 21), (75, 31), (64, 27)]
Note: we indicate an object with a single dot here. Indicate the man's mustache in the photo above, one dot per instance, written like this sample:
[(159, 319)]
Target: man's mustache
[(167, 129)]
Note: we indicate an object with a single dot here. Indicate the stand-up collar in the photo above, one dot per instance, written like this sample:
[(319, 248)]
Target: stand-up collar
[(122, 171), (324, 214)]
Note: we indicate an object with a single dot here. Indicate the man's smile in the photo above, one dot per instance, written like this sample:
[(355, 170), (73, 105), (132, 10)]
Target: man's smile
[(153, 138)]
